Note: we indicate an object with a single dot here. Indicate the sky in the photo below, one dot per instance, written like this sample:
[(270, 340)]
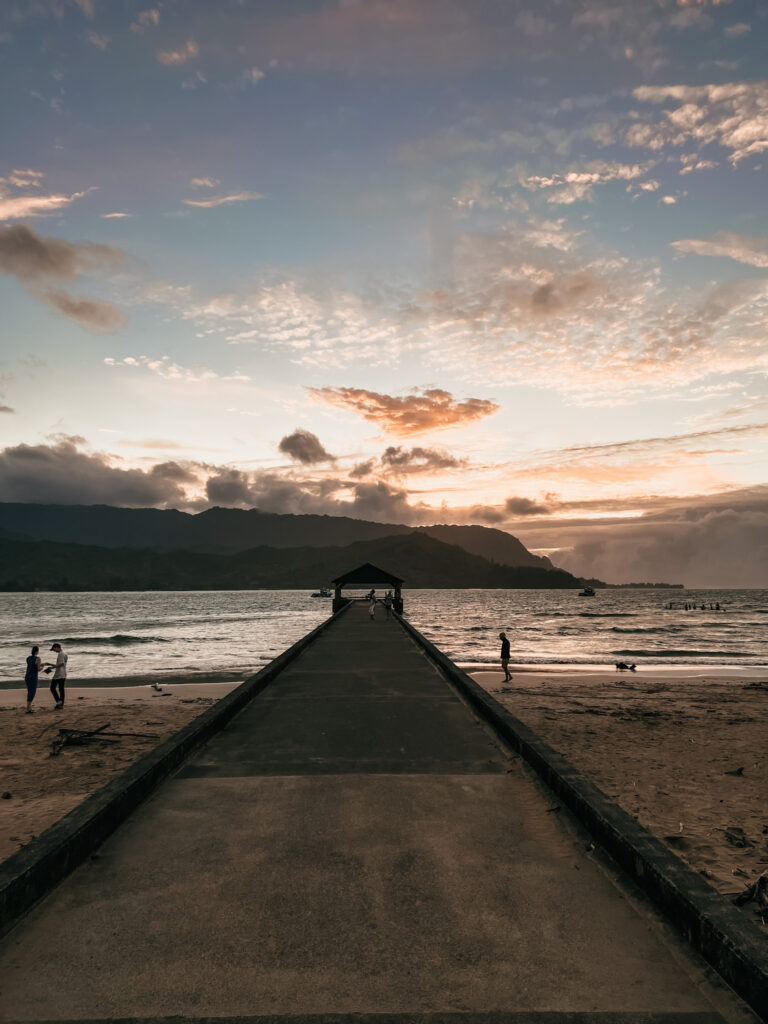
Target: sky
[(499, 262)]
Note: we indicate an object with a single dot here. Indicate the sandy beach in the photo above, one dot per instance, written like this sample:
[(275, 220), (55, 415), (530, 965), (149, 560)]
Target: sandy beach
[(43, 788), (682, 750)]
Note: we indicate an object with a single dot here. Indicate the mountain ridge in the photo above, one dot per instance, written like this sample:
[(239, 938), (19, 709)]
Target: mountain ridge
[(224, 530), (421, 560)]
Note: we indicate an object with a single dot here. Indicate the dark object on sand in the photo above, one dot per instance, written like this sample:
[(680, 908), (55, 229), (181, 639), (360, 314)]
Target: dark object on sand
[(82, 737), (623, 666), (756, 892), (79, 738), (7, 795), (737, 837), (735, 771)]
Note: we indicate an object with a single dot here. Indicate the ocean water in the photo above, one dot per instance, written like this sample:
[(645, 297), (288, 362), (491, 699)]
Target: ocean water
[(109, 635)]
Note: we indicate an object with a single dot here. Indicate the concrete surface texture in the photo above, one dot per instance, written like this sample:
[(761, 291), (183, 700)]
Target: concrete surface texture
[(355, 842)]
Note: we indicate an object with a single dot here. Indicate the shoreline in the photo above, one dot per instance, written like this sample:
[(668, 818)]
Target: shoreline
[(584, 672), (121, 691), (167, 678)]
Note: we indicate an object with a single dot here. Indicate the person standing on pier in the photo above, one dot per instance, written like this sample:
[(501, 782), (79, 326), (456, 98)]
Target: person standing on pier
[(505, 656)]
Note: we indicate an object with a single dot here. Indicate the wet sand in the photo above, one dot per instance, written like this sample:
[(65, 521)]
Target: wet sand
[(684, 751)]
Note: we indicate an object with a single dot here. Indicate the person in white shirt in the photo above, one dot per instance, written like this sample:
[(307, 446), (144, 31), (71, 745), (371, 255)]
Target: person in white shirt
[(59, 675)]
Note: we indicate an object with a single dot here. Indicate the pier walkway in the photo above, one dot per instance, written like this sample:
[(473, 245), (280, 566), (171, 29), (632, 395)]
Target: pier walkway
[(354, 842)]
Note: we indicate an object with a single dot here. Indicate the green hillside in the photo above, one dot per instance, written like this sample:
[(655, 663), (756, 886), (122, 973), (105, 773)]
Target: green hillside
[(420, 560)]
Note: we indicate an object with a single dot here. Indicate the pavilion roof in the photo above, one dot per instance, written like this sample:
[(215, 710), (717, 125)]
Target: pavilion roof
[(368, 574)]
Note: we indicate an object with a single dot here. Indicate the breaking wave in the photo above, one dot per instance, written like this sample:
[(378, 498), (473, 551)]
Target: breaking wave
[(118, 640)]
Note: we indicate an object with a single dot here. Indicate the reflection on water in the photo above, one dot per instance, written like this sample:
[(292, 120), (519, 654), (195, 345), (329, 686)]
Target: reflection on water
[(119, 634)]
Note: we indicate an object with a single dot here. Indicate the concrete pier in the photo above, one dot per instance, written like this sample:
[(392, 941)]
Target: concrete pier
[(355, 843)]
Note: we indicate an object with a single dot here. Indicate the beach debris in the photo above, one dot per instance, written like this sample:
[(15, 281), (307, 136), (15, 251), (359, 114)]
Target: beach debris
[(158, 687), (755, 892), (737, 837), (735, 771), (7, 796), (80, 738)]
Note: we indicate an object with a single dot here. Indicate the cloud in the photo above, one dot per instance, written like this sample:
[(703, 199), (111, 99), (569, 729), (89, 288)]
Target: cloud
[(272, 492), (407, 461), (418, 413), (37, 261), (180, 56), (574, 185), (204, 182), (304, 447), (99, 39), (537, 303), (236, 197), (524, 507), (230, 487), (253, 75), (62, 473), (690, 162), (166, 368), (638, 447), (95, 315), (146, 19), (750, 249), (32, 257), (6, 408), (363, 469), (14, 207), (382, 504), (739, 28), (734, 115), (721, 547), (115, 216)]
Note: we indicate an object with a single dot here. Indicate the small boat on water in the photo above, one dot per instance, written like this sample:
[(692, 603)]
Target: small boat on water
[(587, 592), (322, 592)]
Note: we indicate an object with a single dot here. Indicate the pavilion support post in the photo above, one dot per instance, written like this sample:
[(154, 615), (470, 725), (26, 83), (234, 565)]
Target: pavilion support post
[(338, 600)]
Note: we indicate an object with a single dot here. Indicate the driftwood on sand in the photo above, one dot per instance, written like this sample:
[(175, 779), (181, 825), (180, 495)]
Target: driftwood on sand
[(83, 737)]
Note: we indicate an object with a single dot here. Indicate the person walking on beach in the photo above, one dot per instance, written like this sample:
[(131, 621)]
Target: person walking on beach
[(372, 608), (505, 656), (33, 669), (59, 675)]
